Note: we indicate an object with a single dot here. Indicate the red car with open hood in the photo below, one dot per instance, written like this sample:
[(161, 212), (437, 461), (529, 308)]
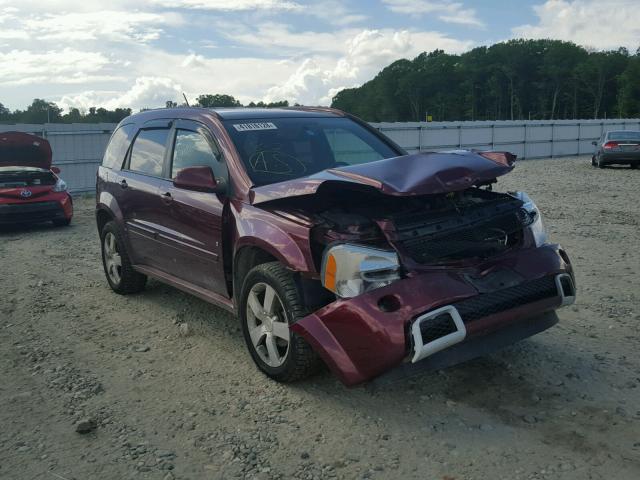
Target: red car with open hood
[(30, 189), (328, 241)]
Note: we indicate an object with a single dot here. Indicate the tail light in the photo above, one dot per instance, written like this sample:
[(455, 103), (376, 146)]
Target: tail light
[(610, 145)]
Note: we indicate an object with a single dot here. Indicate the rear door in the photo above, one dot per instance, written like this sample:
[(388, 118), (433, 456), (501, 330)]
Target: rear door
[(193, 220), (140, 182)]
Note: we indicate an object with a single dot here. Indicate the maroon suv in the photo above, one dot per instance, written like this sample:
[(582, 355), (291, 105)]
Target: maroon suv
[(329, 242)]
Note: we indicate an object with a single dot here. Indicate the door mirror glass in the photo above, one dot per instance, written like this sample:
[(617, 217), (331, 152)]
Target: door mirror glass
[(594, 143), (200, 179)]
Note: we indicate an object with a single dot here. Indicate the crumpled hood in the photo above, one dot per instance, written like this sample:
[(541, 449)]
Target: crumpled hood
[(418, 174), (19, 149)]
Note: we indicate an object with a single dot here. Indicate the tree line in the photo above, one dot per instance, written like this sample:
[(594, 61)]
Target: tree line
[(42, 111), (514, 80)]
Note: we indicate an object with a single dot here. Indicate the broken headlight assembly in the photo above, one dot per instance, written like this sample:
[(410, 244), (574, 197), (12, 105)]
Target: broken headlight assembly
[(537, 227), (350, 270)]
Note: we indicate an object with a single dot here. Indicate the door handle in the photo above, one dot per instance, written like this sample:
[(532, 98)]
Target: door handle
[(167, 198), (124, 184)]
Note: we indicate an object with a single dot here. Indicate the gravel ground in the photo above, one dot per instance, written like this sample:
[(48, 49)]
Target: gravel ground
[(167, 383)]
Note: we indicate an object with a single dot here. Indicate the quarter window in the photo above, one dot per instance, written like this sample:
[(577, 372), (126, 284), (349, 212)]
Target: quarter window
[(118, 146), (192, 150), (147, 153)]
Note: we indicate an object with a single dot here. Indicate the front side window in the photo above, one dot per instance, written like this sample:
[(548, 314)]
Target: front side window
[(278, 149), (118, 145), (192, 150), (147, 153)]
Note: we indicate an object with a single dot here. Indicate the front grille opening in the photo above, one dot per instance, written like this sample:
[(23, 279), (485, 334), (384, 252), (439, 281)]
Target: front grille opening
[(487, 304), (437, 327), (483, 238)]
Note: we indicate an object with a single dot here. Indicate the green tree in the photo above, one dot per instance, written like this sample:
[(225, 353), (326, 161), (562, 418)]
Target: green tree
[(217, 100)]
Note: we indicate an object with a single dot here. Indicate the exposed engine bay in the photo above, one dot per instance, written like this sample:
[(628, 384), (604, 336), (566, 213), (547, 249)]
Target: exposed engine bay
[(428, 229), (27, 177)]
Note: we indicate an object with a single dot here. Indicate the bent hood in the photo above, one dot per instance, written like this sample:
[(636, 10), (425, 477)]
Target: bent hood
[(19, 149), (418, 174)]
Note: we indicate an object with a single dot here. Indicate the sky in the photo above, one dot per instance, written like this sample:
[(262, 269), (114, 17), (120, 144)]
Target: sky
[(120, 53)]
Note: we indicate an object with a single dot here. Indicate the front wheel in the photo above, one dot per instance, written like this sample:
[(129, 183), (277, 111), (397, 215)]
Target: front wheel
[(270, 301), (120, 274)]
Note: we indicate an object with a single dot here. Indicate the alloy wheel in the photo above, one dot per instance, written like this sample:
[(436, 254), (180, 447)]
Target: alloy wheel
[(112, 259), (268, 325)]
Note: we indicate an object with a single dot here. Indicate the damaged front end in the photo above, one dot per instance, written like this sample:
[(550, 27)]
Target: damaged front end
[(424, 270)]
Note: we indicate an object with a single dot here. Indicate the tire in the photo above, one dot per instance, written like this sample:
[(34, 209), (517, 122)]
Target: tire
[(599, 163), (284, 364), (593, 161), (126, 280), (59, 222)]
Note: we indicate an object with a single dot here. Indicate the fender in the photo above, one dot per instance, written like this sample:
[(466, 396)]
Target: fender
[(106, 201), (286, 240)]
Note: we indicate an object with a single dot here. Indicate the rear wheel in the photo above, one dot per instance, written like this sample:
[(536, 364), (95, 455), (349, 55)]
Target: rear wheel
[(120, 274), (270, 301), (599, 162)]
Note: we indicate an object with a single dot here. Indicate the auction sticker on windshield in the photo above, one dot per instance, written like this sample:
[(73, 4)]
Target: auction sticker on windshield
[(250, 127)]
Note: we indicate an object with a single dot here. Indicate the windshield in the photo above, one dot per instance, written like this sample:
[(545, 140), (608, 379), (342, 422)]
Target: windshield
[(278, 149), (634, 136)]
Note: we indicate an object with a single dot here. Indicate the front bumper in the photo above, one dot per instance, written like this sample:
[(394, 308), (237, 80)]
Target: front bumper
[(58, 206), (362, 337)]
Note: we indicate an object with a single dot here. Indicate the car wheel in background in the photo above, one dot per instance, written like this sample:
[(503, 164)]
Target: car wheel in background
[(270, 301), (120, 274)]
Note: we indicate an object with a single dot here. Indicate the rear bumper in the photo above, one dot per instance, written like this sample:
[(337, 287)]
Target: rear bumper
[(620, 157), (359, 340), (57, 206)]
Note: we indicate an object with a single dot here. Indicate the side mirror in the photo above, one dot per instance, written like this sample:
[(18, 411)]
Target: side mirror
[(594, 143), (55, 170), (200, 179)]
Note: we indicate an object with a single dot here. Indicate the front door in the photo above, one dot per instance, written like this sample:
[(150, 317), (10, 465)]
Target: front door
[(193, 220)]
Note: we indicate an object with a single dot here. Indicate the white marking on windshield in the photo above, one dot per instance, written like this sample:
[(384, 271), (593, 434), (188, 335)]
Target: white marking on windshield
[(250, 127)]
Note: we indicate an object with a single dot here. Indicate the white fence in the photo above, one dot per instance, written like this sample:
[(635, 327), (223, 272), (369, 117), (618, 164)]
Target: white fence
[(526, 139), (78, 148)]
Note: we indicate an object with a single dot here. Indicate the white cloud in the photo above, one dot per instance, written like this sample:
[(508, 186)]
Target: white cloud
[(592, 23), (145, 92), (445, 10), (67, 66), (230, 5), (316, 81), (109, 25)]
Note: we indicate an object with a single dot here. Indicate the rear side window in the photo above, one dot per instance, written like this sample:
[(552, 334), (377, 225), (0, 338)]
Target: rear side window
[(192, 150), (118, 146), (147, 153)]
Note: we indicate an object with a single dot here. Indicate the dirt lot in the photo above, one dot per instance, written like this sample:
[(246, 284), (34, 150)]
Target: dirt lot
[(564, 404)]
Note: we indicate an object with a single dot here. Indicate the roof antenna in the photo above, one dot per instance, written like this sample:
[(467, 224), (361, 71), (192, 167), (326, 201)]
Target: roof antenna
[(185, 99)]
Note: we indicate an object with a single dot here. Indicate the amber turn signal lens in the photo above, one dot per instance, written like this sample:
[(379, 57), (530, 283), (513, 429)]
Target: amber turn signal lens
[(330, 273)]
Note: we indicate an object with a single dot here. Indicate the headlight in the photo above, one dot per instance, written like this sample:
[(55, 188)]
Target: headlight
[(537, 227), (61, 186), (351, 270)]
